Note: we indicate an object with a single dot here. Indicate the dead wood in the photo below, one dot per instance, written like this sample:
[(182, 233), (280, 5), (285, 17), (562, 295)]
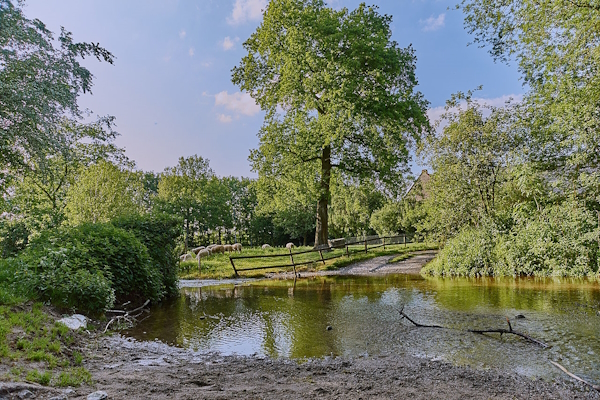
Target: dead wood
[(128, 317), (563, 369), (509, 331), (418, 325)]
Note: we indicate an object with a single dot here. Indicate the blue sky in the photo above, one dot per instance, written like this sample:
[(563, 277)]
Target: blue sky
[(170, 87)]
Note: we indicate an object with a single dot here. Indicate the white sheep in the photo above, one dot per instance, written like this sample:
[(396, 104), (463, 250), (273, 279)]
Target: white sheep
[(266, 246), (197, 249), (290, 245), (227, 248), (202, 253), (237, 247), (185, 257), (218, 249)]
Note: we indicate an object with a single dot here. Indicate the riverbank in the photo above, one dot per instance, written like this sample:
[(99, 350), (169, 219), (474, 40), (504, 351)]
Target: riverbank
[(127, 369)]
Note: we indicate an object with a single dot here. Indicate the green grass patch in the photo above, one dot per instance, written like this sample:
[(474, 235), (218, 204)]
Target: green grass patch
[(218, 266), (29, 335)]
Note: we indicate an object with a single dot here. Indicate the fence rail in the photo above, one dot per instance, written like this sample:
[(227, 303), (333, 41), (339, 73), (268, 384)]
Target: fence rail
[(381, 242)]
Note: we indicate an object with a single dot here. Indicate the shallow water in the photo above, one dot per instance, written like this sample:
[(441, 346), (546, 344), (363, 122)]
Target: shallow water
[(290, 319)]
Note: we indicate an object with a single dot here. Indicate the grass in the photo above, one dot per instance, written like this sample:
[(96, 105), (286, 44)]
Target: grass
[(37, 348), (218, 266)]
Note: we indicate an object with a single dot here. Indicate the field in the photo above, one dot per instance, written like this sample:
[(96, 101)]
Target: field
[(218, 266)]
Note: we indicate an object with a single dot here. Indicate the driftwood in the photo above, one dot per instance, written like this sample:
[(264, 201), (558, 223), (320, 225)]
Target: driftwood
[(563, 369), (500, 331), (403, 315), (128, 316), (510, 331)]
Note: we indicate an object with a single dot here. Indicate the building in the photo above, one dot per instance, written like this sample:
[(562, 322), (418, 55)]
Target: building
[(418, 190)]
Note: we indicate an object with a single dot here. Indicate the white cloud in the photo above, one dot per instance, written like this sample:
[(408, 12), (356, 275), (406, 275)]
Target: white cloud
[(206, 64), (433, 23), (224, 118), (238, 102), (246, 10), (191, 51), (182, 34), (228, 43)]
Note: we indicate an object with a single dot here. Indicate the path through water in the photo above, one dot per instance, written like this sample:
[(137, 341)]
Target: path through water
[(283, 318)]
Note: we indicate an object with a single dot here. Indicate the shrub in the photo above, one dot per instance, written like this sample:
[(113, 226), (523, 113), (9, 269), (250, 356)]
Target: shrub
[(159, 234), (560, 241), (97, 252), (14, 236), (65, 285), (470, 253)]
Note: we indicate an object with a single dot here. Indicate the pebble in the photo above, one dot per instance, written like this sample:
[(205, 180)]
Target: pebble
[(59, 397), (519, 316), (329, 327), (25, 394), (99, 395)]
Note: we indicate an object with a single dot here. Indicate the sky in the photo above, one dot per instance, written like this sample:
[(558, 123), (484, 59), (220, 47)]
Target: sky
[(170, 86)]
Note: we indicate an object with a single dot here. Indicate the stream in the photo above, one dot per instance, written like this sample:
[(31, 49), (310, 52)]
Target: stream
[(353, 316)]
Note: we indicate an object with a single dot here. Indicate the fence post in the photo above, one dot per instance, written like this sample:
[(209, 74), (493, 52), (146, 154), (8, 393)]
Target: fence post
[(347, 251), (384, 243), (404, 239), (365, 245), (293, 264), (322, 259), (233, 265)]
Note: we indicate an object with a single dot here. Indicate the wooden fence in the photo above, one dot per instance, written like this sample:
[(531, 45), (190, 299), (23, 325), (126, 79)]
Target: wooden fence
[(376, 242)]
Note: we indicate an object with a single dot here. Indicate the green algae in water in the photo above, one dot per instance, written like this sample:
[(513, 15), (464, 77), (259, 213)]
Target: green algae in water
[(279, 318)]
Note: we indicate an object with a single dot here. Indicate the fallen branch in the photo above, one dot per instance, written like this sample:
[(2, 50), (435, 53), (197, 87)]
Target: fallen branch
[(127, 316), (509, 331), (403, 315), (563, 369)]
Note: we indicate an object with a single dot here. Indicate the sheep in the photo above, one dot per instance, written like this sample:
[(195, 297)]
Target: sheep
[(290, 245), (197, 249), (266, 246), (218, 249), (227, 248), (202, 253), (185, 257), (237, 247)]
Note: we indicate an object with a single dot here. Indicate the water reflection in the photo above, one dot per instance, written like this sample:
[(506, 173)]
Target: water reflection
[(289, 319)]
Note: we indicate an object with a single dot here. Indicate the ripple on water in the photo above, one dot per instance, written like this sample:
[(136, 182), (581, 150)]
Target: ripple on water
[(290, 319)]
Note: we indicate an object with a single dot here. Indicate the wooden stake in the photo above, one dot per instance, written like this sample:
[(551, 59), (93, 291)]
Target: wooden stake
[(233, 265)]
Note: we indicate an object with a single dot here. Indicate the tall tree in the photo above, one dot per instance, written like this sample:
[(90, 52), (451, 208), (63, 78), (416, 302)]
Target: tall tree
[(557, 46), (337, 92), (39, 85)]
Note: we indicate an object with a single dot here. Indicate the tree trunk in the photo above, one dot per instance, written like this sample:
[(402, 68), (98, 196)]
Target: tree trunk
[(321, 234)]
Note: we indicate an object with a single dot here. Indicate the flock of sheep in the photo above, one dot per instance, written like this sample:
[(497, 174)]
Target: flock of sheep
[(219, 248)]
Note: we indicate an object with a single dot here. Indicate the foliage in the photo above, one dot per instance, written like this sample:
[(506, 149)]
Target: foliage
[(100, 252), (159, 233), (338, 94), (103, 192), (14, 237), (39, 85)]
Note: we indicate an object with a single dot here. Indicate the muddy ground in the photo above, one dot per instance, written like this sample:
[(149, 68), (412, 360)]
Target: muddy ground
[(127, 369)]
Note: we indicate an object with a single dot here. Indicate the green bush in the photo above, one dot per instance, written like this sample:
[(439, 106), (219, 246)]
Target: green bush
[(159, 234), (560, 241), (14, 237), (103, 251), (470, 253), (65, 285)]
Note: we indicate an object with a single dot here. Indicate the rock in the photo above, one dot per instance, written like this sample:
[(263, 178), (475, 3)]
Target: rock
[(99, 395), (59, 397), (25, 394), (75, 321), (519, 316), (329, 327)]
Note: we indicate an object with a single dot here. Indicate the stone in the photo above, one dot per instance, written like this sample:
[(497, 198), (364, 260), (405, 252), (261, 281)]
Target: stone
[(25, 394), (59, 397), (329, 327), (99, 395), (75, 321)]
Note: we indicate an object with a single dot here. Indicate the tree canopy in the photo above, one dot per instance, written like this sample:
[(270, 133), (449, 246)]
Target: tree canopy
[(337, 92)]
